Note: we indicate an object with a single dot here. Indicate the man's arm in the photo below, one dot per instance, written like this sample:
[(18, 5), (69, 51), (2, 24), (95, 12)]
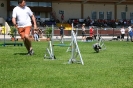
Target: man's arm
[(34, 21), (14, 21)]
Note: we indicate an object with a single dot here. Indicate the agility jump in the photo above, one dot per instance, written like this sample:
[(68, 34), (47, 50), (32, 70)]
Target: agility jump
[(74, 49), (100, 44)]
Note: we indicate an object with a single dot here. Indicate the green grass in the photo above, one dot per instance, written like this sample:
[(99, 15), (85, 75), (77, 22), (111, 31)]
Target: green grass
[(110, 68)]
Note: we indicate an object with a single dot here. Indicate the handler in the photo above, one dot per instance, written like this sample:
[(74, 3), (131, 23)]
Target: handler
[(23, 15)]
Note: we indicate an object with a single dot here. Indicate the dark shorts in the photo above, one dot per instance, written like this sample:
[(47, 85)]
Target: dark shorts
[(83, 33), (61, 32), (122, 36)]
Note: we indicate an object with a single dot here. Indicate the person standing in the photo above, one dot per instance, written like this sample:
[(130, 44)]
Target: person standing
[(122, 33), (130, 33), (61, 28), (21, 18), (83, 33), (91, 32)]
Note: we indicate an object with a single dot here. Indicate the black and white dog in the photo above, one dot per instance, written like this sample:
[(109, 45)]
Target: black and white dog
[(96, 47)]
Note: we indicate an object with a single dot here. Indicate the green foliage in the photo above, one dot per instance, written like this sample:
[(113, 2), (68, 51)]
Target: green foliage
[(48, 31), (13, 31), (110, 68)]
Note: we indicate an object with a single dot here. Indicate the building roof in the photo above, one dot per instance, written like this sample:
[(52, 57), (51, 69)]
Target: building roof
[(125, 2)]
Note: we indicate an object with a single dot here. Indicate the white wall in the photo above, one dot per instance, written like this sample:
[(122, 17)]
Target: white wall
[(121, 8), (71, 10), (3, 10), (89, 8)]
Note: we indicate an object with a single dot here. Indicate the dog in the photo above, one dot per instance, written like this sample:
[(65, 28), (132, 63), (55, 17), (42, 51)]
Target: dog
[(89, 38), (97, 47), (118, 37)]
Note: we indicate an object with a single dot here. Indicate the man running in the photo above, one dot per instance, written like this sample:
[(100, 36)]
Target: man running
[(21, 18)]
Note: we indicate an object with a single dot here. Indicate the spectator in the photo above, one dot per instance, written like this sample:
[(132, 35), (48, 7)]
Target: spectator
[(130, 33), (122, 30), (91, 32), (61, 28), (83, 33), (36, 35)]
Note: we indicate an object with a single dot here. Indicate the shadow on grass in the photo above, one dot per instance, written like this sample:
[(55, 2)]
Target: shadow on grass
[(21, 54), (93, 52)]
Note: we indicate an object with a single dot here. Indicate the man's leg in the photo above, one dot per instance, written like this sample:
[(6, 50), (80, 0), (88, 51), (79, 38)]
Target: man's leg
[(28, 40), (22, 32), (60, 38), (26, 44), (131, 38), (82, 38)]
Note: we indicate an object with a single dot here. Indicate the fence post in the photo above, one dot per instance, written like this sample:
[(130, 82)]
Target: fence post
[(113, 32)]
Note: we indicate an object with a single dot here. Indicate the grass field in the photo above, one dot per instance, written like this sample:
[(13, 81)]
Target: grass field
[(111, 68)]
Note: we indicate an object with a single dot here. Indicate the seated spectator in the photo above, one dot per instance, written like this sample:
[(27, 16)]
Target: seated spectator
[(36, 36)]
